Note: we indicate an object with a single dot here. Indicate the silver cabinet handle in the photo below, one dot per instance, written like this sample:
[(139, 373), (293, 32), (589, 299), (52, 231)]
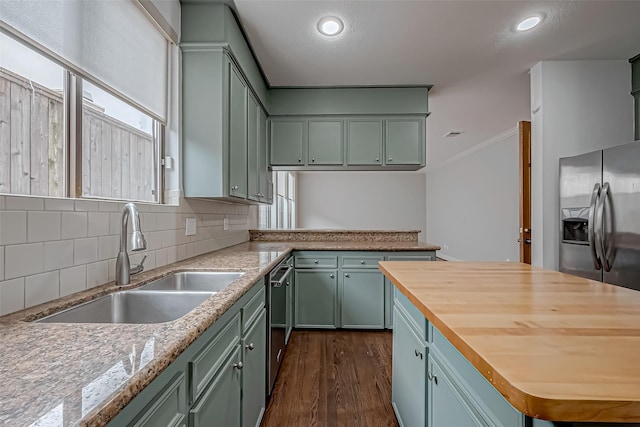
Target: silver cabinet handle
[(347, 275), (433, 378), (377, 159), (592, 227), (418, 354), (313, 159), (362, 261), (250, 346), (238, 365), (315, 261), (234, 188), (299, 159), (332, 276), (390, 159)]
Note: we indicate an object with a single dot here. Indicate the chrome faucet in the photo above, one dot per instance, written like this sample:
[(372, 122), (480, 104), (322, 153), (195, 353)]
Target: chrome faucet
[(123, 268)]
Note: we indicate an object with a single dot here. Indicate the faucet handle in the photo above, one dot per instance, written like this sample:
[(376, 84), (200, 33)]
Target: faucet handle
[(140, 267)]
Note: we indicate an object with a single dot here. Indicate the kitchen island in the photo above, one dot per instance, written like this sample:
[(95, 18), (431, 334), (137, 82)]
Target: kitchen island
[(85, 374), (556, 347)]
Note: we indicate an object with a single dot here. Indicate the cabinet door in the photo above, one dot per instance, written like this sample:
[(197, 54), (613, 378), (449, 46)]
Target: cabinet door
[(289, 317), (219, 405), (254, 372), (253, 149), (404, 141), (326, 145), (364, 142), (316, 298), (168, 408), (447, 407), (362, 303), (409, 389), (288, 139), (237, 134), (637, 101), (264, 178)]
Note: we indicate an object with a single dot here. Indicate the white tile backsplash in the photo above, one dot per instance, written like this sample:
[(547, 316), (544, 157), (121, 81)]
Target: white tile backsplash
[(78, 241), (21, 203), (23, 260), (74, 225), (41, 288), (11, 296), (85, 250), (99, 224), (73, 280), (58, 254), (43, 226), (97, 274), (13, 227)]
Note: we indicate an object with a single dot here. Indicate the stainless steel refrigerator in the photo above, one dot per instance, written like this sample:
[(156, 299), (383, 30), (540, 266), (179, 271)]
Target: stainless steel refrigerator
[(600, 215)]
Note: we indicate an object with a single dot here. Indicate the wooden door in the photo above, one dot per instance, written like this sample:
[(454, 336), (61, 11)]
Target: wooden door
[(524, 129)]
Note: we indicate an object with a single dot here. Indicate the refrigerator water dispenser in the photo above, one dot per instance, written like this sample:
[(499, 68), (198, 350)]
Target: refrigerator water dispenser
[(575, 226)]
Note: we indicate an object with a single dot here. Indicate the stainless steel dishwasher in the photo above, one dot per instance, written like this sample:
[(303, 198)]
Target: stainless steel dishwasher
[(280, 318)]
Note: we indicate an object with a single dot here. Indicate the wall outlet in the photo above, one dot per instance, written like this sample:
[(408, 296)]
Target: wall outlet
[(191, 227), (225, 224)]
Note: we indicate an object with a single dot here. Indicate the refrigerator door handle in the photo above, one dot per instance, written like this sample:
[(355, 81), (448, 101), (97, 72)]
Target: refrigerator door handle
[(592, 224), (600, 234)]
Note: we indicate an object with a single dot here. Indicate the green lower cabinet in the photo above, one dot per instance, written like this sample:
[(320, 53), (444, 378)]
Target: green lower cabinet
[(254, 372), (409, 384), (447, 407), (219, 405), (170, 407), (316, 293), (362, 302)]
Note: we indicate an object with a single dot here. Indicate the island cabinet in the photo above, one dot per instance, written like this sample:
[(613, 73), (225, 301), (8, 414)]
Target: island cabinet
[(347, 142), (434, 385), (219, 380), (343, 289), (635, 91)]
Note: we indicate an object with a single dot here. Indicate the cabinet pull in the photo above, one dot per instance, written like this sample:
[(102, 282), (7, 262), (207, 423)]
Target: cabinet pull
[(418, 354), (433, 378), (390, 159), (250, 346), (238, 365), (362, 261), (315, 261), (377, 159), (299, 159), (331, 275), (313, 159), (347, 275)]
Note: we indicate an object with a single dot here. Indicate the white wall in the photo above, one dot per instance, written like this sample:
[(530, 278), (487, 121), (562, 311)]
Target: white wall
[(473, 202), (362, 201), (577, 107)]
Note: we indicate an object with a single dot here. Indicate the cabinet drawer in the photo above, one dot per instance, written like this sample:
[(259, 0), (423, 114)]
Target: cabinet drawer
[(413, 256), (413, 315), (169, 406), (253, 308), (205, 364), (484, 395), (316, 262), (368, 261)]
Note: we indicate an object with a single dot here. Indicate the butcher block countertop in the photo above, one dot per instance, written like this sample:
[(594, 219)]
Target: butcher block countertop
[(557, 347)]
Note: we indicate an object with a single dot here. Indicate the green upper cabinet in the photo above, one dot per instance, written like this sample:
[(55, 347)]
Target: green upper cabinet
[(288, 142), (326, 142), (237, 134), (364, 142), (258, 179), (404, 140)]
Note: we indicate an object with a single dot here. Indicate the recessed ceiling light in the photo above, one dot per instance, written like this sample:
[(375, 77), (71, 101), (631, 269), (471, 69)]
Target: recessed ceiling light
[(529, 23), (330, 26)]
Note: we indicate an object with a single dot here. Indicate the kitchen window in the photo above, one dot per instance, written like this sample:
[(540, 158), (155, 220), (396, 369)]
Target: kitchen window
[(281, 215), (83, 107)]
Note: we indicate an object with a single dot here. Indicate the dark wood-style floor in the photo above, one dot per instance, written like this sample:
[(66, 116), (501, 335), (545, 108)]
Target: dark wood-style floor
[(334, 378)]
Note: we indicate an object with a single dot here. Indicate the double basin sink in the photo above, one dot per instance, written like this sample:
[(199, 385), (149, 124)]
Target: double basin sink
[(162, 300)]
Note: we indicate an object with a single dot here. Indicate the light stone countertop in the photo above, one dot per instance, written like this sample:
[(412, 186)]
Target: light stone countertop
[(83, 374)]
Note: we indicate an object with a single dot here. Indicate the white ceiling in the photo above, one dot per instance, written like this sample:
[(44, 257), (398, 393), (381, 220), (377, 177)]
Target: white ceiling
[(468, 50)]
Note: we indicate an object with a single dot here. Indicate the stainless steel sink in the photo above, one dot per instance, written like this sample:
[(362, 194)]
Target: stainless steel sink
[(132, 307), (192, 281)]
